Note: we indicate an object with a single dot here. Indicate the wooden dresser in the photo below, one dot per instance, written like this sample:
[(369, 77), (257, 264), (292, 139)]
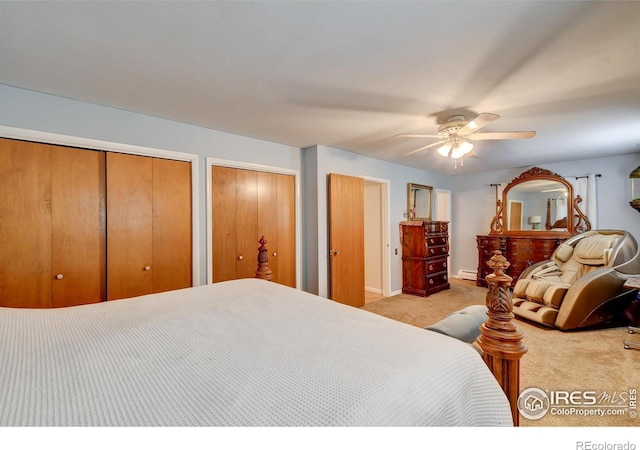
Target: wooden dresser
[(520, 251), (425, 248)]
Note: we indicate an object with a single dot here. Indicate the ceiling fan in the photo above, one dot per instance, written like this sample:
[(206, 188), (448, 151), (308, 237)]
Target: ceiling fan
[(453, 135)]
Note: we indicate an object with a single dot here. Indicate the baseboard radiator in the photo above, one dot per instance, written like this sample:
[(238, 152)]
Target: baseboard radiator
[(467, 274)]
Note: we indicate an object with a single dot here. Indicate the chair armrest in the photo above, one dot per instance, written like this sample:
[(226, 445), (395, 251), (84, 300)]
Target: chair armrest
[(534, 269), (587, 294)]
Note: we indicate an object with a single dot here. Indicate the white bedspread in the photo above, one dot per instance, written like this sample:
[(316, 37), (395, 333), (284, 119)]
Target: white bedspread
[(239, 353)]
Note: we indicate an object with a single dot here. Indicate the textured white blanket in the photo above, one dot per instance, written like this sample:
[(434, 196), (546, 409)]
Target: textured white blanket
[(239, 353)]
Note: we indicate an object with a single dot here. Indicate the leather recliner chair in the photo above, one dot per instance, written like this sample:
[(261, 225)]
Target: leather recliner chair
[(582, 284)]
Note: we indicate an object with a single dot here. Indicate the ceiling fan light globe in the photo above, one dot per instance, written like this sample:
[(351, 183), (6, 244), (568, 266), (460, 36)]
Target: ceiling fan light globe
[(444, 150), (461, 150)]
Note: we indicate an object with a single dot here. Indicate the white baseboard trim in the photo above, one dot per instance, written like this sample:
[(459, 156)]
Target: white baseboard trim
[(373, 290)]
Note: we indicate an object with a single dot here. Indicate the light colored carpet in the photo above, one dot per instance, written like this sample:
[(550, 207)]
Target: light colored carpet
[(593, 360)]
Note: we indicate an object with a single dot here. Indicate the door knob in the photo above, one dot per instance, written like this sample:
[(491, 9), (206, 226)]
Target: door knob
[(59, 276), (240, 258), (275, 254), (147, 268)]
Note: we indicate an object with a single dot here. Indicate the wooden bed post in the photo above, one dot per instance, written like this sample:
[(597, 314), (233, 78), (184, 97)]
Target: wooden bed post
[(500, 339), (263, 271)]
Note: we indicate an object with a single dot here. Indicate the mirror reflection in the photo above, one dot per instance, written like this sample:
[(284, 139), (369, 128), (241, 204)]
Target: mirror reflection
[(419, 201), (537, 205)]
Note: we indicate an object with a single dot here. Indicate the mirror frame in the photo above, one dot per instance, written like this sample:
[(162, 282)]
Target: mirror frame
[(578, 223), (411, 199)]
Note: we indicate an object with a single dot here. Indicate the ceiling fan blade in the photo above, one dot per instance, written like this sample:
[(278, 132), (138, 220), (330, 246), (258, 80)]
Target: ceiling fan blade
[(480, 121), (502, 135), (418, 135), (424, 148)]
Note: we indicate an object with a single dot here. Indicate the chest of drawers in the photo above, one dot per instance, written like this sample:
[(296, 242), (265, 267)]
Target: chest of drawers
[(425, 249)]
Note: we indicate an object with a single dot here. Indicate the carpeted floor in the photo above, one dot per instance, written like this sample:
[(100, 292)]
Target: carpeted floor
[(593, 360)]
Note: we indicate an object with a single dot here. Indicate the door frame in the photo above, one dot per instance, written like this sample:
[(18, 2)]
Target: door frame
[(211, 161), (108, 146), (436, 215), (385, 201)]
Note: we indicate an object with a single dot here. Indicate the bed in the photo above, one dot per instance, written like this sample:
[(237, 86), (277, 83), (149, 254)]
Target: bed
[(238, 353)]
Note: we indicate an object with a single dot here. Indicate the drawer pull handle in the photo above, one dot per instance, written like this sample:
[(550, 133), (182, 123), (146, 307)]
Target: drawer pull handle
[(430, 266), (431, 281), (59, 276)]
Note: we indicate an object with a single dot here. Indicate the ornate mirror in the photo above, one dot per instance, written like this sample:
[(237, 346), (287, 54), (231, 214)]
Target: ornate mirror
[(419, 201), (539, 201)]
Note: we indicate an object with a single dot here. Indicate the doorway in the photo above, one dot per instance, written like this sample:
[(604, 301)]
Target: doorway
[(376, 239), (442, 212)]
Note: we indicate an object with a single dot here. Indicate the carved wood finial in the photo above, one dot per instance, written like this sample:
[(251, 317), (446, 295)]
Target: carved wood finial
[(263, 272), (581, 222), (500, 339), (497, 226)]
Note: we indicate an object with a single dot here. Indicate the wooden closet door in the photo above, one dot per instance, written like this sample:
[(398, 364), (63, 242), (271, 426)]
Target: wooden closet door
[(129, 225), (246, 223), (246, 205), (25, 230), (223, 225), (78, 240), (172, 246), (268, 217), (285, 258)]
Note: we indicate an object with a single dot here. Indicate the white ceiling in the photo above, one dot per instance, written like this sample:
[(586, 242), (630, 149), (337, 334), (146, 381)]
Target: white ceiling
[(350, 75)]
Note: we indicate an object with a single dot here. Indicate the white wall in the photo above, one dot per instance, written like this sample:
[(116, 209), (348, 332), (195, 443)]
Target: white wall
[(30, 110), (474, 201), (321, 161)]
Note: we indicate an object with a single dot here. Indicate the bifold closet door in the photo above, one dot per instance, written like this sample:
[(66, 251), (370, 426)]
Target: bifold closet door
[(234, 243), (223, 227), (172, 239), (285, 259), (149, 246), (246, 205), (78, 244), (25, 232), (52, 249), (129, 225), (276, 221)]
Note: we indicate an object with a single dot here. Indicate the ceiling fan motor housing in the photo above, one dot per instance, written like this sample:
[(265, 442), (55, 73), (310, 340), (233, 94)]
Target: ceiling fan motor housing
[(453, 125)]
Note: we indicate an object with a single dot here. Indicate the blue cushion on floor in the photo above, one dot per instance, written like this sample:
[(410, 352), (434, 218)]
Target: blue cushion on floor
[(463, 324)]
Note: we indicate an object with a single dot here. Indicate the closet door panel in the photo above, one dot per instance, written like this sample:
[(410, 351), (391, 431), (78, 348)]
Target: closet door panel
[(268, 217), (78, 226), (25, 224), (285, 259), (129, 225), (223, 206), (172, 249), (246, 223)]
